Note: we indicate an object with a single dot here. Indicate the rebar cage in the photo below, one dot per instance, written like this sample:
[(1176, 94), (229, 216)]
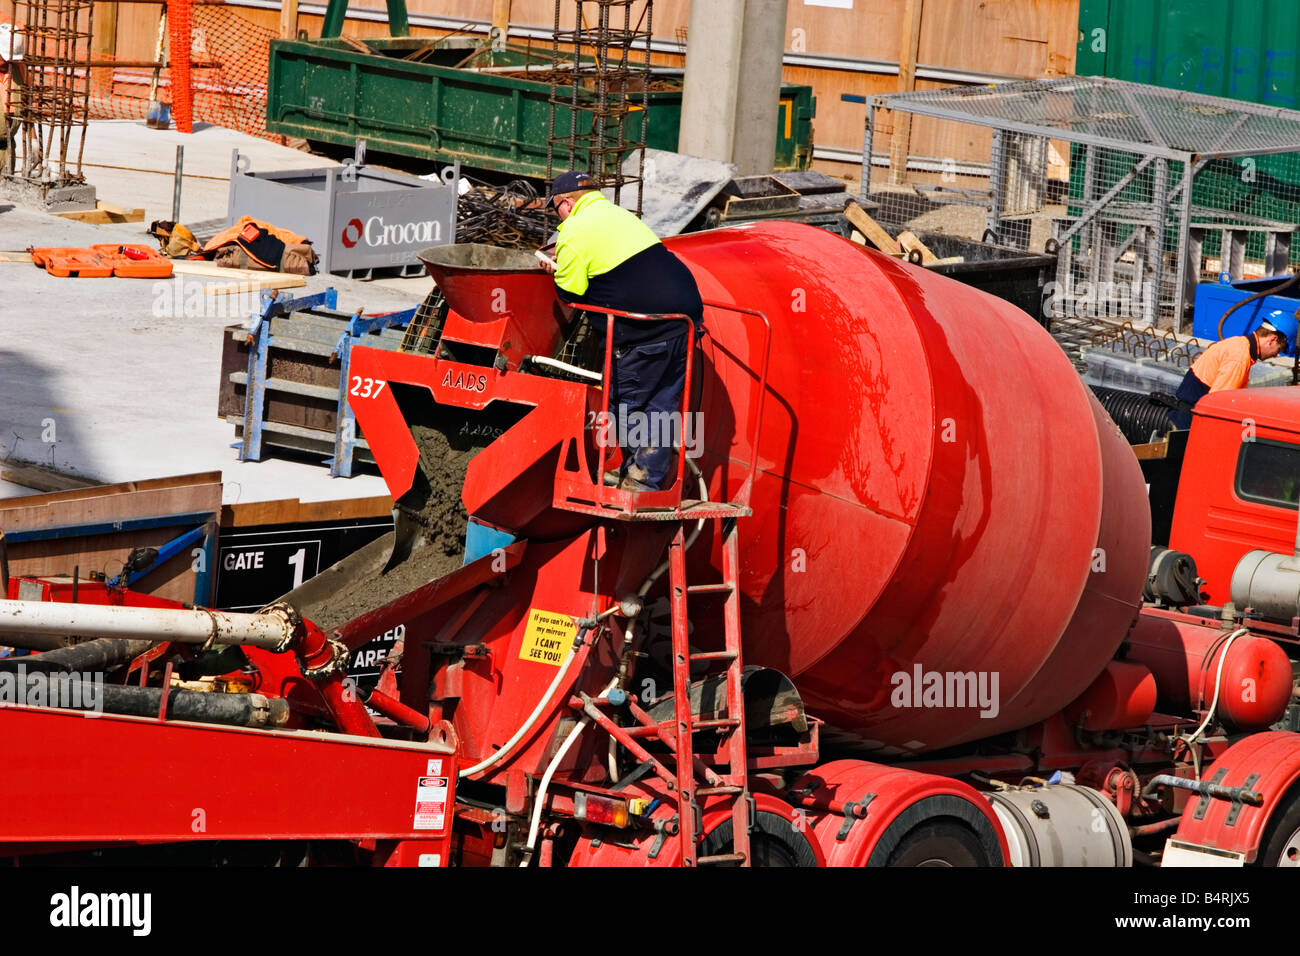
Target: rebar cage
[(50, 90), (600, 72), (1100, 169)]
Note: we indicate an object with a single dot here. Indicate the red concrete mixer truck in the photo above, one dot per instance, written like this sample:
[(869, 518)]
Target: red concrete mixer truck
[(898, 607)]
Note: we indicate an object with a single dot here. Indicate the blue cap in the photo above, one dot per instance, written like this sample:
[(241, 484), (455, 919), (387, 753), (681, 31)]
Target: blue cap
[(571, 181)]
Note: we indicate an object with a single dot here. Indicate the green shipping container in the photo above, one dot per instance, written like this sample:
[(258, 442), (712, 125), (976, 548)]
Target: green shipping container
[(414, 97), (1240, 49)]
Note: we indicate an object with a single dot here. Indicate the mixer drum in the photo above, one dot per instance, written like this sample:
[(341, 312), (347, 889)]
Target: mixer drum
[(950, 536)]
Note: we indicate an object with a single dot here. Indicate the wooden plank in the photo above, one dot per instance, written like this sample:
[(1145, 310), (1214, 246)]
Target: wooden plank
[(1155, 449), (289, 19), (255, 285), (97, 491), (104, 214), (293, 511), (911, 44), (105, 29), (15, 257), (105, 552), (501, 17), (107, 508), (201, 267), (42, 478), (874, 232), (910, 240)]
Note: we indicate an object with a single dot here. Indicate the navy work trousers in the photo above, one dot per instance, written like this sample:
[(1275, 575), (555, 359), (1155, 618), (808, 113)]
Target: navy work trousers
[(1191, 391), (646, 400)]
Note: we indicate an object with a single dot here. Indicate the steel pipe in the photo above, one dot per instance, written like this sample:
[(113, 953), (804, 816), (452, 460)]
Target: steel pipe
[(35, 618)]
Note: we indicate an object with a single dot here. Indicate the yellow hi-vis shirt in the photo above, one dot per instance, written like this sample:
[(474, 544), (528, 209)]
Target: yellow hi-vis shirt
[(1225, 364), (597, 237)]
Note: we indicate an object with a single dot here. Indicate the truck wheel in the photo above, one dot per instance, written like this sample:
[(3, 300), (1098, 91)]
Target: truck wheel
[(939, 843), (1281, 843), (772, 842), (942, 830)]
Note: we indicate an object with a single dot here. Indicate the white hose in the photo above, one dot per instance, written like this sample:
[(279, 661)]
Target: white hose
[(699, 526), (1218, 678), (539, 802), (542, 706), (585, 721), (566, 367)]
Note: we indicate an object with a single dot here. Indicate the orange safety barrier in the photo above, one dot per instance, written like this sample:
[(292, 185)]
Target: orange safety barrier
[(221, 81)]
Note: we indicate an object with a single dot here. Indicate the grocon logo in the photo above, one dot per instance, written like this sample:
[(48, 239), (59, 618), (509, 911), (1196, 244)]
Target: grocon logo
[(375, 232)]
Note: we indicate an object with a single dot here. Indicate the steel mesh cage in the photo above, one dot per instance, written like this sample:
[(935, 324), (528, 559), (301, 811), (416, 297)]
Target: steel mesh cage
[(1145, 190)]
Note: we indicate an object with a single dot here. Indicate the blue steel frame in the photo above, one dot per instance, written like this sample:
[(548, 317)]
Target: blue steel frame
[(345, 427), (250, 446)]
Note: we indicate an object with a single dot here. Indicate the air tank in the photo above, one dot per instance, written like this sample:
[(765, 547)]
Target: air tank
[(950, 536)]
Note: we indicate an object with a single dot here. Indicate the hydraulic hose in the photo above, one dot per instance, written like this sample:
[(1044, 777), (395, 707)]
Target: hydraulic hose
[(97, 655), (539, 801), (78, 693), (542, 706), (1281, 286), (654, 575), (642, 591)]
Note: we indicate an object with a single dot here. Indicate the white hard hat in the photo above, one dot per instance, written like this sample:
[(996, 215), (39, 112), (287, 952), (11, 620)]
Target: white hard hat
[(11, 44)]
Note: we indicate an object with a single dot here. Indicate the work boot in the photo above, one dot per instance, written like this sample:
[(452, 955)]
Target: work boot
[(635, 479), (631, 484)]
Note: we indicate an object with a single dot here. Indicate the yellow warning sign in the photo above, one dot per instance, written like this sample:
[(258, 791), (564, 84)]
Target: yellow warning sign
[(548, 637)]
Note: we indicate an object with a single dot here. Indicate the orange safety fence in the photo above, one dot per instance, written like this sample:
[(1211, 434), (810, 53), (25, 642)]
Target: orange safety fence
[(222, 81)]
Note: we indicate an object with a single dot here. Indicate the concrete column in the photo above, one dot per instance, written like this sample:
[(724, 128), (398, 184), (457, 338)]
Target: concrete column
[(732, 91)]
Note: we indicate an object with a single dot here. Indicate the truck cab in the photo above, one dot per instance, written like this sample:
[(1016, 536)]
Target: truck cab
[(1237, 484)]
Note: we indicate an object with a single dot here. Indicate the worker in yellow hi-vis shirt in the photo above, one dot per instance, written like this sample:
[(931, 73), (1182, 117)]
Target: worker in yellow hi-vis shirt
[(608, 257)]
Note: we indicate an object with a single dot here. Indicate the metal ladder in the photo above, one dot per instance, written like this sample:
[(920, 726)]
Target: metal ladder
[(731, 749)]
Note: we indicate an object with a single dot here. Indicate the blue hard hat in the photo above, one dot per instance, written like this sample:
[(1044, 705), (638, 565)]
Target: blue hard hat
[(1281, 321)]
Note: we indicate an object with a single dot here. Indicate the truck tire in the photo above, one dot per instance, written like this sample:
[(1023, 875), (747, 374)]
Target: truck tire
[(938, 831), (938, 843), (1280, 845), (772, 842)]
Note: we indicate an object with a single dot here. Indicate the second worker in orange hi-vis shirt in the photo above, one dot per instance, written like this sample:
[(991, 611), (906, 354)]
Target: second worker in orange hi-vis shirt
[(1226, 364)]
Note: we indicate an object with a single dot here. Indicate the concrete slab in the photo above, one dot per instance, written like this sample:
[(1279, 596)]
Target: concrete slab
[(111, 380), (132, 165)]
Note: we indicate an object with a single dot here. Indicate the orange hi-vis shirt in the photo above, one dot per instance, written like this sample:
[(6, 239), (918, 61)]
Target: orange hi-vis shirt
[(1226, 364)]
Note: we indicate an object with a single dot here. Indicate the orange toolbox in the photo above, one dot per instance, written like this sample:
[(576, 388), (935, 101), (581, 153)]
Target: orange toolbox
[(67, 263), (135, 262), (106, 259)]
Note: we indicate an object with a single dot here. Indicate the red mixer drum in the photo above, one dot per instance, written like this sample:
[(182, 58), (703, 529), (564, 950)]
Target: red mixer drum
[(949, 535)]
